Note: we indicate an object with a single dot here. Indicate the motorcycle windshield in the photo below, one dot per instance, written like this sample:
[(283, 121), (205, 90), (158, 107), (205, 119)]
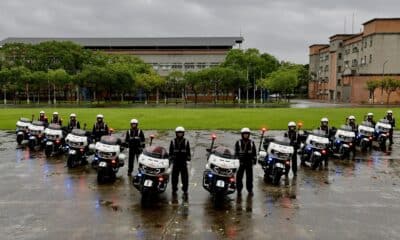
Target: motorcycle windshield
[(224, 152), (54, 126), (109, 140), (79, 132), (156, 152), (345, 139)]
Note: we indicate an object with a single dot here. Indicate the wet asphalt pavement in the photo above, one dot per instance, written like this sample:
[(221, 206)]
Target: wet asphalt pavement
[(42, 199)]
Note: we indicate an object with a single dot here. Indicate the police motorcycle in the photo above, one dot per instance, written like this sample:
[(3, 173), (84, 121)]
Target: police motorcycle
[(382, 131), (54, 140), (35, 134), (22, 130), (153, 171), (109, 158), (365, 135), (77, 143), (220, 171), (275, 160), (316, 149), (344, 142)]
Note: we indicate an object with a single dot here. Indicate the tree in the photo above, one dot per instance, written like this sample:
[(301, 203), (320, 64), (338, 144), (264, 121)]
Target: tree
[(150, 82), (4, 81), (390, 86), (38, 79), (252, 64), (283, 81), (372, 85), (175, 84), (193, 81), (58, 78), (20, 76)]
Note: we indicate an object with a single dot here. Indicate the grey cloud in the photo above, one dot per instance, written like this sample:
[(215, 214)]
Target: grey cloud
[(283, 28)]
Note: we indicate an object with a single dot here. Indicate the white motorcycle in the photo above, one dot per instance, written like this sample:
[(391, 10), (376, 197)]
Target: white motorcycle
[(219, 176), (22, 130), (153, 171), (365, 136), (276, 160), (77, 145), (382, 131), (54, 140), (109, 158), (35, 134)]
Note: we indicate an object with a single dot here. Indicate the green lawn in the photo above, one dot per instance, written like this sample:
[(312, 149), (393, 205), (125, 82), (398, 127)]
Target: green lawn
[(208, 119)]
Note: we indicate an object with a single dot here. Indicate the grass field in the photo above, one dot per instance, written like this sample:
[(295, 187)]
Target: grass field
[(201, 119)]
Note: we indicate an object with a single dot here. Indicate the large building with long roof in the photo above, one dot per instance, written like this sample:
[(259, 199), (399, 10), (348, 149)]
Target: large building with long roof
[(164, 54)]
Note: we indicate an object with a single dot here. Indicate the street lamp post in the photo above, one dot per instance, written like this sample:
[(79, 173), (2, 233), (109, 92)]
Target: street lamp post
[(383, 75)]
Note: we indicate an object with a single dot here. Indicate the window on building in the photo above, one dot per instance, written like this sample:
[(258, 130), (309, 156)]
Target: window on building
[(214, 64), (201, 65), (365, 59), (340, 56), (354, 63), (370, 42), (346, 64), (177, 66), (370, 58), (165, 66), (326, 68), (339, 69), (154, 65), (339, 82), (189, 65)]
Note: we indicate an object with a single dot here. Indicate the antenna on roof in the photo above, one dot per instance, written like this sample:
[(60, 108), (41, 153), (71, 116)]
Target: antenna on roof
[(352, 23), (344, 26), (240, 33)]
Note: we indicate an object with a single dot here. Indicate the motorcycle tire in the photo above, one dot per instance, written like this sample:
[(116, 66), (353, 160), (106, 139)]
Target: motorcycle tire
[(276, 179), (70, 162), (48, 152)]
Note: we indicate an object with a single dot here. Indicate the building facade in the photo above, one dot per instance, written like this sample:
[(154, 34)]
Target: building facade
[(164, 54), (340, 70)]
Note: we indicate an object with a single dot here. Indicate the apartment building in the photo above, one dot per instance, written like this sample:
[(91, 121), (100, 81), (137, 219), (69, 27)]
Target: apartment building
[(341, 69)]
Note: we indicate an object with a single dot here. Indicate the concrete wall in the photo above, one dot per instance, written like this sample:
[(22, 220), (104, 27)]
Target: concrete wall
[(360, 94)]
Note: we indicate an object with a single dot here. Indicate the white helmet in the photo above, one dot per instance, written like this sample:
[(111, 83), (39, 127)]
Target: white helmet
[(389, 112), (55, 113), (324, 119), (291, 124), (245, 130), (134, 121), (72, 115), (352, 117), (99, 116), (41, 112), (179, 129), (370, 114)]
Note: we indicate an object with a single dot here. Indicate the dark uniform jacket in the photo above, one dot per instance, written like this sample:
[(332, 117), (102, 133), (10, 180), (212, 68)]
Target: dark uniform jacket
[(179, 150), (135, 140), (246, 151)]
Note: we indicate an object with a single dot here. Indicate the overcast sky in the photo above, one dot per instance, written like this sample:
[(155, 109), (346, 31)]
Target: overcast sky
[(281, 27)]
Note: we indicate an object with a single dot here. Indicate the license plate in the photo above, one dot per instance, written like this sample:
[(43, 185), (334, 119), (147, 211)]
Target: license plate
[(49, 143), (102, 164), (220, 183), (148, 183), (72, 152)]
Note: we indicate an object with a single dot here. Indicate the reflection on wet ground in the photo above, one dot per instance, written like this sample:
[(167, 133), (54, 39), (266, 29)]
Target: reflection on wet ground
[(42, 199)]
